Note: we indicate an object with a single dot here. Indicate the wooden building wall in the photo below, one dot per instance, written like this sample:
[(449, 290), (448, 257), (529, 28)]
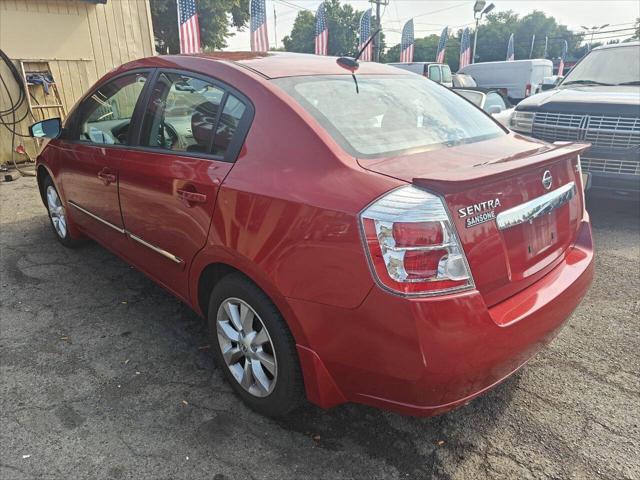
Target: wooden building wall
[(113, 33)]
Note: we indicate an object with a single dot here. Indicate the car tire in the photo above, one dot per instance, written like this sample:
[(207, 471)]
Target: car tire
[(254, 347), (58, 218)]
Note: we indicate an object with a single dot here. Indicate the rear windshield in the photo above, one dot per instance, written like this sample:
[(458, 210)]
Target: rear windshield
[(392, 114)]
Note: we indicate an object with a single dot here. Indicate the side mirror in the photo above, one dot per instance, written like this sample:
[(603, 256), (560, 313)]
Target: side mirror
[(50, 128), (547, 86), (493, 109)]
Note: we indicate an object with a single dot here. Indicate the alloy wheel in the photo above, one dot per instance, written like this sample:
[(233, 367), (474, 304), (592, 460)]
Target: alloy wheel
[(56, 212), (246, 347)]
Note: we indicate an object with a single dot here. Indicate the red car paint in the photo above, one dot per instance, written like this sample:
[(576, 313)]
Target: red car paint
[(286, 214)]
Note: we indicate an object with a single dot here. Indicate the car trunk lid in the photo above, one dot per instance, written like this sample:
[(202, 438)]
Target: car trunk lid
[(513, 228)]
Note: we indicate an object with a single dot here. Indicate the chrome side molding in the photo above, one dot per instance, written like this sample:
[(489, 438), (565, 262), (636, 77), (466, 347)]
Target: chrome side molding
[(537, 207), (96, 217), (133, 237), (162, 252)]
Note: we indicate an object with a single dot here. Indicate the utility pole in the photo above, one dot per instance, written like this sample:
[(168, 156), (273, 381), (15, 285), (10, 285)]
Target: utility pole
[(376, 41), (275, 26), (478, 11)]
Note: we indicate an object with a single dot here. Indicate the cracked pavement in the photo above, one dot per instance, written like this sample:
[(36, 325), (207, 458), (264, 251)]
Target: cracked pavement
[(103, 375)]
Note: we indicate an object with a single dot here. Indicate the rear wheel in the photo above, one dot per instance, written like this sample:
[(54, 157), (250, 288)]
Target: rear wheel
[(58, 215), (254, 347)]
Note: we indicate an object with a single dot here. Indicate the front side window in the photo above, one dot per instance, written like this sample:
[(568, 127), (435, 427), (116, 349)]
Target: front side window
[(105, 116), (391, 114), (434, 73)]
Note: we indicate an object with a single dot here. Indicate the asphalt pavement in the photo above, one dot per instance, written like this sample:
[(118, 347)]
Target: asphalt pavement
[(104, 375)]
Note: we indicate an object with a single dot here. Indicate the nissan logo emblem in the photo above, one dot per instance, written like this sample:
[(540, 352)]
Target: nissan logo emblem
[(547, 179)]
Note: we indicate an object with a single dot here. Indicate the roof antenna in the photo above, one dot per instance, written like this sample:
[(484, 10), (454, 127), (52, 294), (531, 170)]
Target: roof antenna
[(351, 63)]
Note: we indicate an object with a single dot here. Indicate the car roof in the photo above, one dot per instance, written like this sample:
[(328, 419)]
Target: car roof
[(271, 64), (616, 45)]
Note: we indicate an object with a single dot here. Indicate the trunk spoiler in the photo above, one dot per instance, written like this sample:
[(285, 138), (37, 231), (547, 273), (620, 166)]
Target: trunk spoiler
[(464, 177)]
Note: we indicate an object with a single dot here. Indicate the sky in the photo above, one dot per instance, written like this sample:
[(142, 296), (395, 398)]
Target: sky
[(432, 16)]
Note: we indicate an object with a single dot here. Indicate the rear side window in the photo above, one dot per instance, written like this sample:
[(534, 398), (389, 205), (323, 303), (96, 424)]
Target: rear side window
[(228, 125), (434, 73), (389, 114), (181, 114), (189, 114)]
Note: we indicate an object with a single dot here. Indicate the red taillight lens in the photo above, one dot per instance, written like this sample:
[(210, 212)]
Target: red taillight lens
[(417, 234), (412, 245), (422, 264), (527, 90)]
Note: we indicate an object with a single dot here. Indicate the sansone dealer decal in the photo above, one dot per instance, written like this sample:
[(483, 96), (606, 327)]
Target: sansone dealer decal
[(479, 213)]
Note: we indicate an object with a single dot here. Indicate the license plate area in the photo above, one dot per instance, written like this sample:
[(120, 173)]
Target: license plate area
[(540, 235), (535, 244)]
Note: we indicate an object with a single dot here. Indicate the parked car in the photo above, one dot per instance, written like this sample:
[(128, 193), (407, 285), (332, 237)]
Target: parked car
[(438, 72), (519, 78), (597, 102), (381, 242), (491, 101), (460, 80)]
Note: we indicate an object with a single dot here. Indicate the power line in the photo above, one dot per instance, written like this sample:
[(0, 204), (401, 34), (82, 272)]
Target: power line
[(442, 9)]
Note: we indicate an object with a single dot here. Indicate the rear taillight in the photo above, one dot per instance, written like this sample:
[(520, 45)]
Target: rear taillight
[(412, 245), (527, 90)]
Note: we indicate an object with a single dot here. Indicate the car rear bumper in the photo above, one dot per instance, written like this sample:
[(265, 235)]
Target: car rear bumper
[(427, 356), (614, 185)]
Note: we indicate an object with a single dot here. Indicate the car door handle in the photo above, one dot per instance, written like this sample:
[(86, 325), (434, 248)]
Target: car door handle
[(191, 197), (106, 176)]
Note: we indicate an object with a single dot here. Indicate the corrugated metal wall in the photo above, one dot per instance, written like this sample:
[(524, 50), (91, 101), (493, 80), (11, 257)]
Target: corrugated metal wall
[(119, 31)]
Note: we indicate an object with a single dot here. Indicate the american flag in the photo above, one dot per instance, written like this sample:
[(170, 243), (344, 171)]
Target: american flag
[(465, 49), (365, 33), (407, 43), (510, 52), (259, 39), (188, 26), (563, 57), (442, 45), (322, 31)]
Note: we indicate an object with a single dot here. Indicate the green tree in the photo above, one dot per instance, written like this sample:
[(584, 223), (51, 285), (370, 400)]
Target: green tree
[(425, 50), (216, 17), (301, 37), (343, 23), (493, 37)]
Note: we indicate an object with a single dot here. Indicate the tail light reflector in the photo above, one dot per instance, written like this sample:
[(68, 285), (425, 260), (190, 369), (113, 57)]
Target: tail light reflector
[(527, 90), (412, 245)]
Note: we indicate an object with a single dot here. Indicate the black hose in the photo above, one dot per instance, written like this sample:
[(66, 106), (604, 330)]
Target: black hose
[(14, 107)]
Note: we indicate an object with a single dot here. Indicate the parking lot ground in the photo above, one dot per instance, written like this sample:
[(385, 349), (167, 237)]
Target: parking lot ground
[(104, 375)]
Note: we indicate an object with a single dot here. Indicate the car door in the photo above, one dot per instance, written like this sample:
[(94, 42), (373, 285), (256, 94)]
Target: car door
[(90, 150), (192, 131)]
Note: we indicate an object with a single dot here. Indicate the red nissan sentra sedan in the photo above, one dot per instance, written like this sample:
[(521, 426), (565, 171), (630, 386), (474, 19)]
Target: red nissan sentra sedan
[(375, 239)]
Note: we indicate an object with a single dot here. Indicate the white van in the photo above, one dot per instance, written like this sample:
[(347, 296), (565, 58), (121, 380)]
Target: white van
[(438, 72), (519, 78)]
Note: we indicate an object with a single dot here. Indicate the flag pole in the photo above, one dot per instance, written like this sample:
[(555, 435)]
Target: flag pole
[(179, 34)]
